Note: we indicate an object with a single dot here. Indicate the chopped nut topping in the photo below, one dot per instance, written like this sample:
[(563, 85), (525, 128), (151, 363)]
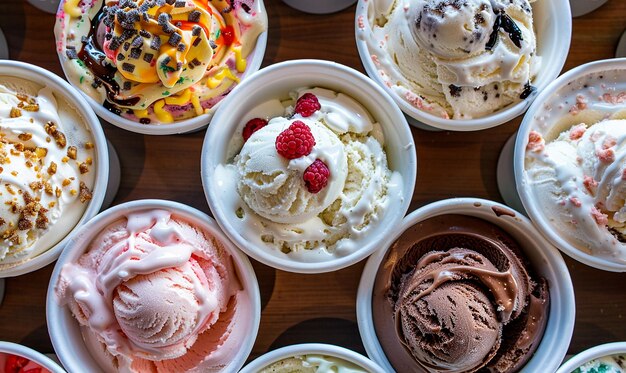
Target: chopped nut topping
[(25, 136), (83, 168), (2, 222), (71, 152), (58, 136), (24, 224), (36, 185), (14, 173), (89, 145), (52, 169), (15, 112), (57, 192), (41, 152), (52, 204), (73, 192), (66, 182), (65, 159), (85, 193), (89, 161), (48, 188), (31, 107), (19, 147)]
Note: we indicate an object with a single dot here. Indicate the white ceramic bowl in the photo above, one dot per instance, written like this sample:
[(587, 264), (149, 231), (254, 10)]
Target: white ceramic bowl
[(607, 349), (65, 331), (538, 119), (277, 81), (66, 92), (274, 356), (546, 260), (30, 354), (182, 126), (553, 26)]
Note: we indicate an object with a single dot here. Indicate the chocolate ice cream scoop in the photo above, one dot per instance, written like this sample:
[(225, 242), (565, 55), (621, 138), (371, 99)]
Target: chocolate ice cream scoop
[(455, 294)]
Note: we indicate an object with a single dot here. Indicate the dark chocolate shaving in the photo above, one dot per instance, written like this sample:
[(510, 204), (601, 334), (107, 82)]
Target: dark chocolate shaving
[(129, 67), (528, 89), (135, 53), (455, 91), (194, 16), (148, 57)]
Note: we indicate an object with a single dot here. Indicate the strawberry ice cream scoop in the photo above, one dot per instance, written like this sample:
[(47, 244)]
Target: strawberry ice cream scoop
[(156, 292)]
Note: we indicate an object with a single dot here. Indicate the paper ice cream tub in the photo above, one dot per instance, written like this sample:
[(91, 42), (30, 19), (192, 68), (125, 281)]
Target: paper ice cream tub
[(553, 25), (319, 351), (34, 356), (277, 81), (548, 117), (252, 63), (604, 350), (69, 97), (545, 259), (78, 354)]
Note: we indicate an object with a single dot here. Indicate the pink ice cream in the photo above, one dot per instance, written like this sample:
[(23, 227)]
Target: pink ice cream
[(158, 295)]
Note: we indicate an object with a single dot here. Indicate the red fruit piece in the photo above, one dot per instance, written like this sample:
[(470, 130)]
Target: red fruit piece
[(15, 363), (228, 35), (31, 370), (252, 126), (296, 141), (307, 104), (316, 176)]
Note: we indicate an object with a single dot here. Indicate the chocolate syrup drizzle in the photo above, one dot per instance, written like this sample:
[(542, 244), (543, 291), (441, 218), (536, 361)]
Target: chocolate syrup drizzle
[(94, 58)]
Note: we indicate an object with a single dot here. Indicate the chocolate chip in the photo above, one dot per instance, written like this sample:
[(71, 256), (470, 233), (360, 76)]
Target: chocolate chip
[(126, 46), (194, 16), (163, 19), (137, 41), (160, 2), (127, 85), (156, 43), (170, 2), (127, 34), (135, 53), (181, 47), (196, 42), (528, 89), (166, 60), (180, 3), (115, 43), (195, 31), (174, 39), (120, 57), (129, 67), (144, 120), (455, 91), (212, 44), (148, 57), (145, 34), (71, 54), (108, 36), (179, 65), (245, 7), (195, 62)]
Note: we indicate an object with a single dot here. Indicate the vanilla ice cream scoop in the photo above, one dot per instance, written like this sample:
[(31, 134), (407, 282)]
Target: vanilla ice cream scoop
[(46, 169), (273, 186), (582, 175)]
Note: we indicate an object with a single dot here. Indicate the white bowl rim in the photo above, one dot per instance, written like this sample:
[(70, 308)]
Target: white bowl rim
[(564, 292), (526, 194), (31, 72), (244, 268), (281, 353), (218, 211), (607, 349), (495, 119), (29, 353), (182, 126)]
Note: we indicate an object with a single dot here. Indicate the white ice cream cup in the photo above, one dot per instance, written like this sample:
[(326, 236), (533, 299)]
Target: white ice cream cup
[(537, 212), (277, 355), (277, 81), (319, 6), (65, 332), (553, 26), (63, 90), (182, 126), (607, 349), (30, 354), (546, 261)]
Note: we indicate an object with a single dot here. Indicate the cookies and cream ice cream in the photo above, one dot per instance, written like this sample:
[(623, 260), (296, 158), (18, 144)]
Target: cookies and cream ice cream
[(47, 161), (308, 177), (155, 293), (455, 293), (459, 59), (575, 164), (157, 61), (312, 363)]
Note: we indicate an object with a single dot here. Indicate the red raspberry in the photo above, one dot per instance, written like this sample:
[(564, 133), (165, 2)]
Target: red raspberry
[(252, 126), (316, 176), (15, 363), (296, 141), (307, 104)]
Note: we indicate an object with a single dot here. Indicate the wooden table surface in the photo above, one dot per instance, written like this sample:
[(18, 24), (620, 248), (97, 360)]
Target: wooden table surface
[(313, 308)]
